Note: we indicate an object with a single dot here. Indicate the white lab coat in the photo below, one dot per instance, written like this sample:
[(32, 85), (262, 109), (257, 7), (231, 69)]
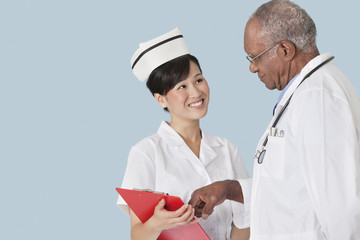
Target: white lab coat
[(163, 162), (308, 186)]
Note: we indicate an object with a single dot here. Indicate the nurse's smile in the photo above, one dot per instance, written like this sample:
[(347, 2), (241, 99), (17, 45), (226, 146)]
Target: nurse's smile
[(198, 104)]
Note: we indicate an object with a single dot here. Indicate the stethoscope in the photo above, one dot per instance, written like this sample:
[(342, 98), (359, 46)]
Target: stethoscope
[(260, 154)]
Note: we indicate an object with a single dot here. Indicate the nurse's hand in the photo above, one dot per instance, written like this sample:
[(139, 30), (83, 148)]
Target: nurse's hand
[(164, 219), (161, 220), (206, 198)]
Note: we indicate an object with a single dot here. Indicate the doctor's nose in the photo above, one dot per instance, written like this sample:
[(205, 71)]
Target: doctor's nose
[(253, 68)]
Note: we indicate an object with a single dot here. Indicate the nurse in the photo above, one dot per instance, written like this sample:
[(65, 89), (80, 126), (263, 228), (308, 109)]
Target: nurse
[(180, 157)]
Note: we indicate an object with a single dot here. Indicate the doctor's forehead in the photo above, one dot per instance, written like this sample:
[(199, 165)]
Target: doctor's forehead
[(252, 41)]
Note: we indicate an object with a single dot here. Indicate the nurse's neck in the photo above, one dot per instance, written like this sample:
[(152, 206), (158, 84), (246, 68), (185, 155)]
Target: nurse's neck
[(190, 133)]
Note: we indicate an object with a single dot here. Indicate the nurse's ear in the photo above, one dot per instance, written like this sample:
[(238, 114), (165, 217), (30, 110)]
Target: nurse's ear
[(161, 100)]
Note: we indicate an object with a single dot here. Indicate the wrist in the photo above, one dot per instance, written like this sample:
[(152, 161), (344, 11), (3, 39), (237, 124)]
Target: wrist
[(153, 228), (234, 191)]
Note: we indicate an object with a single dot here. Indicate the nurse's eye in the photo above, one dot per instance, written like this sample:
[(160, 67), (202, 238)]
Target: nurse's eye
[(181, 87), (199, 81)]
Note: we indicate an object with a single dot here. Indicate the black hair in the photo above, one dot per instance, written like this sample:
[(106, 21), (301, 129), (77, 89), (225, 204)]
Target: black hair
[(164, 78)]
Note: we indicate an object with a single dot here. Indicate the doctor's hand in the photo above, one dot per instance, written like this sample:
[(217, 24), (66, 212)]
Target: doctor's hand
[(206, 198)]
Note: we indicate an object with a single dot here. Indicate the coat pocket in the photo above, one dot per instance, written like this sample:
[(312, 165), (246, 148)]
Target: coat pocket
[(274, 160)]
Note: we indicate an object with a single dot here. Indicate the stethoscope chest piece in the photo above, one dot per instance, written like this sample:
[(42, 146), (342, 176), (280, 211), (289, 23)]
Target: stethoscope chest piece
[(261, 156)]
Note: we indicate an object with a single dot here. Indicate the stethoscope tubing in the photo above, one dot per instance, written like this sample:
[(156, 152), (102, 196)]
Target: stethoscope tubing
[(262, 153)]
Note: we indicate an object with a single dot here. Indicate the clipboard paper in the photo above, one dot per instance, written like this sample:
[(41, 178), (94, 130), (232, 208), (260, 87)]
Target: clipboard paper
[(143, 203)]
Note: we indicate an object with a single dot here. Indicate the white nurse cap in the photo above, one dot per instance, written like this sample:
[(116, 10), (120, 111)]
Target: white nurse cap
[(153, 53)]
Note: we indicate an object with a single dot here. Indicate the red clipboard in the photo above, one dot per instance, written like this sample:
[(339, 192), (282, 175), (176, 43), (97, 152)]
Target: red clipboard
[(143, 203)]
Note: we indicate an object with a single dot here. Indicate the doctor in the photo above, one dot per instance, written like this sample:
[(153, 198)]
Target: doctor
[(180, 157), (306, 179)]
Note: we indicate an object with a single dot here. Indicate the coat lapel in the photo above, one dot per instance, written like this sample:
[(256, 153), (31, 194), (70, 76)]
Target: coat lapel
[(207, 152)]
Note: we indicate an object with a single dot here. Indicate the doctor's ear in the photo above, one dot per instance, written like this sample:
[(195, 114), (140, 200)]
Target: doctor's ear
[(287, 50), (161, 100)]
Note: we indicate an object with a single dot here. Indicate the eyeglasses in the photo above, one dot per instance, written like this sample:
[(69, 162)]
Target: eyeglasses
[(252, 59)]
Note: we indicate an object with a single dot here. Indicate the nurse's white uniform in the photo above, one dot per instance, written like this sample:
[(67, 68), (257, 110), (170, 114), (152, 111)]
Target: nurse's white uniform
[(308, 186), (163, 162)]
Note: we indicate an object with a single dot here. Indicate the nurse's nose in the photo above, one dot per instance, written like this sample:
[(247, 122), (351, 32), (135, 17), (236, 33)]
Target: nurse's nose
[(253, 67), (194, 91)]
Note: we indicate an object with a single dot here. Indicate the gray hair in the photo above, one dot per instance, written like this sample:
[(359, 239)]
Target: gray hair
[(284, 20)]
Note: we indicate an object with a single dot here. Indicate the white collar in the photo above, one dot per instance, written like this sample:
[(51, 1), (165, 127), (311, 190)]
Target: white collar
[(308, 67), (173, 138)]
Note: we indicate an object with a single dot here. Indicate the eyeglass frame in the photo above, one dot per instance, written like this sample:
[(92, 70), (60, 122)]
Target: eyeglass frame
[(252, 59)]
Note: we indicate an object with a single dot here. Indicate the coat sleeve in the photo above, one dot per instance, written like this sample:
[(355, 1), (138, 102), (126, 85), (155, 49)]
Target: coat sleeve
[(241, 211), (328, 150), (139, 173)]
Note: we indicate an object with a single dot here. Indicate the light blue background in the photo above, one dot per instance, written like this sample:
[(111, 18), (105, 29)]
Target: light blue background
[(70, 107)]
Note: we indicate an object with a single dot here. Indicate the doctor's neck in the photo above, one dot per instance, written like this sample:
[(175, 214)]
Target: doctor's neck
[(299, 62)]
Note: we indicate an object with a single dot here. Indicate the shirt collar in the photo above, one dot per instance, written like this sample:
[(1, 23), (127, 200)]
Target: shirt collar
[(173, 138), (287, 87), (169, 134)]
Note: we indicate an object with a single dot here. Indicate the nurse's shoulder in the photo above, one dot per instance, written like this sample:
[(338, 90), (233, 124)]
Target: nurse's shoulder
[(219, 141), (148, 144)]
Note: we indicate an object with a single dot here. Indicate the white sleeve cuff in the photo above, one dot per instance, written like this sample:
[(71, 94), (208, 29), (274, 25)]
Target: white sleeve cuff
[(123, 205), (241, 211)]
